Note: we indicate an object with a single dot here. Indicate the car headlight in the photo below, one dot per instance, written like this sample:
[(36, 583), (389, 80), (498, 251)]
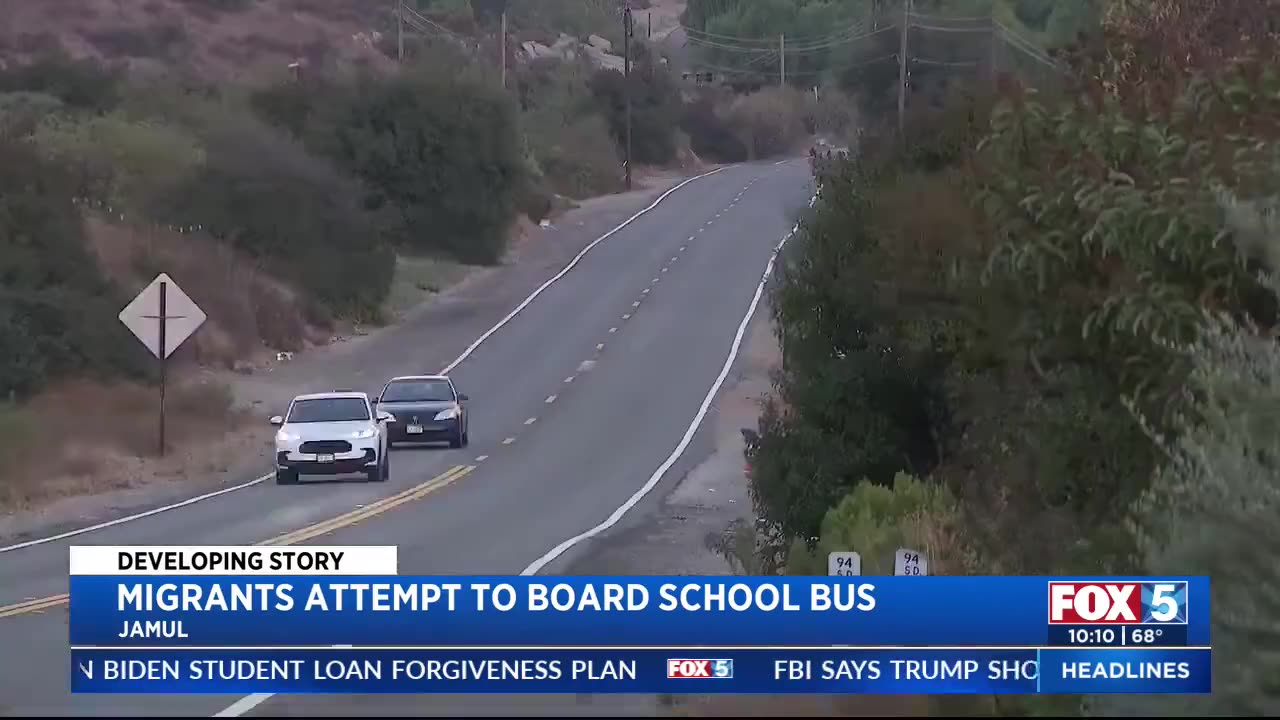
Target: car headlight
[(286, 438), (364, 434), (449, 414)]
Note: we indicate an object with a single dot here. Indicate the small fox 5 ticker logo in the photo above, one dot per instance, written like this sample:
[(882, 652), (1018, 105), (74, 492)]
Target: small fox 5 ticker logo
[(1158, 602), (699, 669)]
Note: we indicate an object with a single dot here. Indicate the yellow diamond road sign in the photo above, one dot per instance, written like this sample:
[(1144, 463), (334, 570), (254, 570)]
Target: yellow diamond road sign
[(162, 303)]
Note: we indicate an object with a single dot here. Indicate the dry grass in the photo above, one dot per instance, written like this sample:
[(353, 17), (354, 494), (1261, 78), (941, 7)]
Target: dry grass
[(249, 312), (84, 437), (417, 279), (266, 33)]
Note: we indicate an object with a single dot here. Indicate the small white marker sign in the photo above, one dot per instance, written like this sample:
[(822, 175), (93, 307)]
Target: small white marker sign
[(910, 562), (844, 563)]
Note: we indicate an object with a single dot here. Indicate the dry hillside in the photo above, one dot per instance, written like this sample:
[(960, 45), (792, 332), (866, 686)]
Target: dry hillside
[(223, 39)]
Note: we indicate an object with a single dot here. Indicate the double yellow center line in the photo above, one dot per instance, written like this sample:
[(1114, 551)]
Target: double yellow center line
[(417, 492)]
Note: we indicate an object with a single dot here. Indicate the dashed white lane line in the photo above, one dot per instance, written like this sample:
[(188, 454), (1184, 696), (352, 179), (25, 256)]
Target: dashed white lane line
[(655, 280), (531, 421), (626, 316), (568, 379), (664, 269), (644, 291), (599, 346), (682, 247), (613, 330), (635, 304), (674, 258), (656, 477), (708, 223), (508, 441), (690, 239), (550, 399), (482, 458)]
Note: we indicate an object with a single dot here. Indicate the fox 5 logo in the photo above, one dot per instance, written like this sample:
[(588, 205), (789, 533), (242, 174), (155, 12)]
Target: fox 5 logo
[(699, 669)]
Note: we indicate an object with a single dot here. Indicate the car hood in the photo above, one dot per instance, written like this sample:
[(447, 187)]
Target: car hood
[(327, 430), (424, 410)]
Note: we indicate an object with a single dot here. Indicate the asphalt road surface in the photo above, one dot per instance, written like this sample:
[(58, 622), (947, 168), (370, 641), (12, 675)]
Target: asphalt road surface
[(576, 401)]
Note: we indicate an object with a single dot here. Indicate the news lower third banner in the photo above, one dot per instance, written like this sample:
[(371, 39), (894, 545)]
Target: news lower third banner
[(331, 619), (620, 671)]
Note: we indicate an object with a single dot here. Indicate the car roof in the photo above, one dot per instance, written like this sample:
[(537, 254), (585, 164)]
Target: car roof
[(420, 377), (333, 395)]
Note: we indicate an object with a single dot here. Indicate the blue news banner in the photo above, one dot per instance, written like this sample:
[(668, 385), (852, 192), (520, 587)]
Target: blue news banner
[(819, 635)]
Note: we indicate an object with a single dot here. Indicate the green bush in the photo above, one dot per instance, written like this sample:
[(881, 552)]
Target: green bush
[(81, 84), (655, 109), (875, 520), (710, 136), (262, 192), (1212, 507), (438, 150), (768, 122), (117, 160), (57, 315)]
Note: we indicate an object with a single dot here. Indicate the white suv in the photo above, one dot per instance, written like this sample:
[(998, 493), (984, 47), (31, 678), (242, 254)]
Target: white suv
[(331, 434)]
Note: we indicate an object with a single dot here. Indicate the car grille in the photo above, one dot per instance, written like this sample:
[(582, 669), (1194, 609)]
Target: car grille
[(312, 447)]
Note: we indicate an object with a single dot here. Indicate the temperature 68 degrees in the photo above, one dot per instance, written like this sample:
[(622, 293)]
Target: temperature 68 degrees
[(1144, 636)]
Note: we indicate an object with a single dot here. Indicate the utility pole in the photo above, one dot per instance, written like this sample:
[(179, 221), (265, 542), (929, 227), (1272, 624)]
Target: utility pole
[(503, 49), (902, 67), (400, 30), (782, 58), (995, 75), (626, 82)]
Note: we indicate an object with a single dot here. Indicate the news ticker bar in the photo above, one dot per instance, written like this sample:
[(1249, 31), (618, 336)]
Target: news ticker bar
[(835, 671)]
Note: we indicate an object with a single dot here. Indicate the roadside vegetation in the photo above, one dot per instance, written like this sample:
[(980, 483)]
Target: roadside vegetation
[(1034, 334), (298, 206)]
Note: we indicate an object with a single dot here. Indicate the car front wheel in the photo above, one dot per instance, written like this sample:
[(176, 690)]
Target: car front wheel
[(286, 477), (378, 473)]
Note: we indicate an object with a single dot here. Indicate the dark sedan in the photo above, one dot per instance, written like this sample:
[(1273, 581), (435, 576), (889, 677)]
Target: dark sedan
[(425, 408)]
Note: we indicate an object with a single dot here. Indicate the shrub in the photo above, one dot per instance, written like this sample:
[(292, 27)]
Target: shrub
[(57, 315), (267, 196), (1212, 507), (119, 161), (438, 150), (710, 136), (875, 520), (81, 84), (581, 160), (655, 109), (768, 122)]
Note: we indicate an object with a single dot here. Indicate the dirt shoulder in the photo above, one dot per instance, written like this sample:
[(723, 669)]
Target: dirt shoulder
[(216, 417)]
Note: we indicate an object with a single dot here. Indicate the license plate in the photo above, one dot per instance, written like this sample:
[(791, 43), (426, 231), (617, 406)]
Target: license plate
[(414, 429), (324, 458)]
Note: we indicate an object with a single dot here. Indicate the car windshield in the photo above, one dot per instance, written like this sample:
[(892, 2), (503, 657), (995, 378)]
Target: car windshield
[(328, 410), (418, 391)]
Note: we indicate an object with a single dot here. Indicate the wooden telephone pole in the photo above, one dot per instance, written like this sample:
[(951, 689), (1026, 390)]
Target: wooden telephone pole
[(503, 50), (902, 66), (626, 82)]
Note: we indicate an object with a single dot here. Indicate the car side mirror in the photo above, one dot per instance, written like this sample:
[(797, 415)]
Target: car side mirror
[(377, 400), (384, 416), (462, 397), (277, 420)]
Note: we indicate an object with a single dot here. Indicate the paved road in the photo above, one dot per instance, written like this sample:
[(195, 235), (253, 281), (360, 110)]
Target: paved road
[(576, 402)]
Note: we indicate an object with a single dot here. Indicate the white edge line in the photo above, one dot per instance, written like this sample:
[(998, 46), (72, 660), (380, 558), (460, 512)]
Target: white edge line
[(466, 353), (244, 705), (613, 519)]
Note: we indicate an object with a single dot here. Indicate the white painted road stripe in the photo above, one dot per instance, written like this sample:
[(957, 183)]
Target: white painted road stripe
[(465, 354), (249, 702), (653, 480)]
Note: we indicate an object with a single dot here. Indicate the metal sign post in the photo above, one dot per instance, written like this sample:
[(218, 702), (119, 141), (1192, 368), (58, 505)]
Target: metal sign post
[(176, 318)]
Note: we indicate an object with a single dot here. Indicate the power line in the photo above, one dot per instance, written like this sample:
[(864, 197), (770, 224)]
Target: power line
[(843, 38)]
